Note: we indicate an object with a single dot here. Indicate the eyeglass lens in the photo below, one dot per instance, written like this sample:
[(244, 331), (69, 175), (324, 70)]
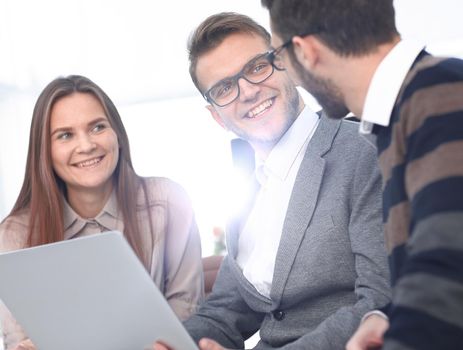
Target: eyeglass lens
[(255, 72)]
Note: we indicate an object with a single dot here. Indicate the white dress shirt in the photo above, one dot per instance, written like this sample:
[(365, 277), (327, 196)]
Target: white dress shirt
[(260, 237), (386, 83)]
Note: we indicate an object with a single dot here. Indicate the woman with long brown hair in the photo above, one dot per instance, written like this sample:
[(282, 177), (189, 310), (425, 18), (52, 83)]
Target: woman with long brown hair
[(79, 180)]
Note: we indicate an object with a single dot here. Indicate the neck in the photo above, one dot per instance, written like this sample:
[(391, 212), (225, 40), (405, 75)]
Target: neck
[(88, 203), (355, 74), (262, 149)]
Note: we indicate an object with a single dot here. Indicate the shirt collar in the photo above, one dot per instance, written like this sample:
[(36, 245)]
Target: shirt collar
[(107, 218), (386, 83), (283, 155)]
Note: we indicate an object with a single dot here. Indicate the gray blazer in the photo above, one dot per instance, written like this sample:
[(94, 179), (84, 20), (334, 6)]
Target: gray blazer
[(331, 265)]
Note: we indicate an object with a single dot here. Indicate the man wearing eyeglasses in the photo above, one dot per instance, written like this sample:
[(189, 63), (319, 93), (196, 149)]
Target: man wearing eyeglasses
[(307, 258)]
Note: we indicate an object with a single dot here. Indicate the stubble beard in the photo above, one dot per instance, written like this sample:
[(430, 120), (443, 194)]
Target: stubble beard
[(291, 112), (325, 92)]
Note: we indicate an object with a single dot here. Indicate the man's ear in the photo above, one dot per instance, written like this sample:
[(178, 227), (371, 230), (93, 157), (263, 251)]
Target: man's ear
[(216, 116), (306, 51)]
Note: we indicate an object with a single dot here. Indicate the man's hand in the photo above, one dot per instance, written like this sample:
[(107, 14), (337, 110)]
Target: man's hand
[(204, 344), (369, 334), (158, 346), (209, 344), (25, 345)]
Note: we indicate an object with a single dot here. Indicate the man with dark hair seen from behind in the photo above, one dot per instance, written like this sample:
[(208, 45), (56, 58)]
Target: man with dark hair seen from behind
[(413, 103), (306, 259)]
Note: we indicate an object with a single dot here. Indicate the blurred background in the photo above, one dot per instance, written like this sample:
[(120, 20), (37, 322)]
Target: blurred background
[(136, 51)]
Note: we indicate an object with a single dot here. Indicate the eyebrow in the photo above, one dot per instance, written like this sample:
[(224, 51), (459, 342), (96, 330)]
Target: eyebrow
[(233, 76), (91, 123)]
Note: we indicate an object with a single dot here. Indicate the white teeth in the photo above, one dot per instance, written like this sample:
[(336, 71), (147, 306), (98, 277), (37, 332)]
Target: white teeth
[(259, 109), (89, 162)]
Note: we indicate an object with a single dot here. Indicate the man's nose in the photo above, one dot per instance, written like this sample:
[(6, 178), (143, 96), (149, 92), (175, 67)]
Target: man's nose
[(248, 91)]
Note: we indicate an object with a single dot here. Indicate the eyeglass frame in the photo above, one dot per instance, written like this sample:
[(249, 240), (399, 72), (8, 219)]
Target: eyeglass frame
[(275, 52), (241, 74), (271, 56)]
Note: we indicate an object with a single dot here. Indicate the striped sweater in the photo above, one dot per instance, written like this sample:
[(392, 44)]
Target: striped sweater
[(421, 159)]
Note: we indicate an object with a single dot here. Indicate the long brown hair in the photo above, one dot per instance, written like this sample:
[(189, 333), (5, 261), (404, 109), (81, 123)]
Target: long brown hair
[(43, 191)]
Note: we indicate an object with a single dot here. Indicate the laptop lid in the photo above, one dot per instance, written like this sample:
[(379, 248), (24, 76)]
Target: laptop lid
[(87, 293)]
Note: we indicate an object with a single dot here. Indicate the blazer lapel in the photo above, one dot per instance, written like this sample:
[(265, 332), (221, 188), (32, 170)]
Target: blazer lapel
[(302, 203)]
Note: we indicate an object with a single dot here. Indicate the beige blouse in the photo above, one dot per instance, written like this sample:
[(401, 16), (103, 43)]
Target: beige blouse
[(174, 250)]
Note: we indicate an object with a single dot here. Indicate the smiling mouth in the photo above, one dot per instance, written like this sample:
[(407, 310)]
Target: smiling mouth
[(260, 109), (89, 163)]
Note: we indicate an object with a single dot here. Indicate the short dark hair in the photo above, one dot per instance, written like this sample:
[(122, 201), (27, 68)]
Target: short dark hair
[(348, 27), (214, 30)]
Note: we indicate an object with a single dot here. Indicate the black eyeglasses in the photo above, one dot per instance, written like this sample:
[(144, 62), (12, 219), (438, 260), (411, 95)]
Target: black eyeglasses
[(274, 55), (256, 71)]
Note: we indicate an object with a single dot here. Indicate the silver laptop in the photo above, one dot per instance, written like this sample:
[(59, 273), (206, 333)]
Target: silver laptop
[(89, 293)]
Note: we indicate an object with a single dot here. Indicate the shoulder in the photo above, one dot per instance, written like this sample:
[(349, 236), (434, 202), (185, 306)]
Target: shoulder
[(354, 157), (349, 129), (13, 232), (350, 159), (163, 190), (349, 144), (431, 69), (339, 138), (432, 79), (430, 100)]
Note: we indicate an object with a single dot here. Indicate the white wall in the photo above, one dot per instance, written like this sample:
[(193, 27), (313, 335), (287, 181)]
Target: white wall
[(180, 140), (15, 115), (137, 52)]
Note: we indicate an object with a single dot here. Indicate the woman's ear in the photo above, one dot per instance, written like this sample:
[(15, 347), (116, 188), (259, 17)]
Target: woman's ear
[(216, 116)]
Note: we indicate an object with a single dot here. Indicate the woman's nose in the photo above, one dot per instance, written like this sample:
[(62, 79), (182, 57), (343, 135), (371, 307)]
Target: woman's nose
[(85, 144)]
